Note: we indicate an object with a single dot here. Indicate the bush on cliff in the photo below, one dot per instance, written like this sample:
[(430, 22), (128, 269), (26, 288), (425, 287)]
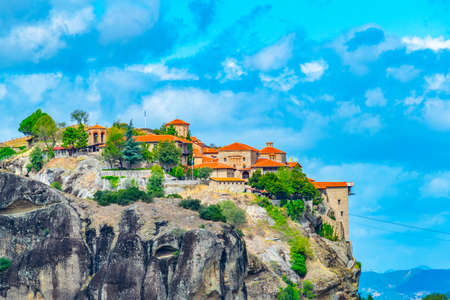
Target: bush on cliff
[(234, 215), (121, 197), (155, 184), (290, 292), (212, 213), (5, 263), (192, 204), (327, 231), (36, 160), (6, 152)]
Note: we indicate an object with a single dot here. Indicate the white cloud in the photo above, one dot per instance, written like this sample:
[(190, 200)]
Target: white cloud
[(438, 82), (35, 85), (403, 73), (437, 186), (273, 57), (283, 82), (437, 113), (2, 91), (365, 123), (163, 72), (232, 69), (126, 20), (44, 39), (413, 99), (313, 70), (375, 97), (347, 109), (416, 43)]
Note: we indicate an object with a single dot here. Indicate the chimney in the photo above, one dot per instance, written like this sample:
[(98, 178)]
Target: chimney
[(269, 144)]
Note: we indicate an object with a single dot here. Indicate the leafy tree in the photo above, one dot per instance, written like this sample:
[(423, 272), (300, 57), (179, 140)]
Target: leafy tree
[(6, 152), (5, 263), (81, 117), (171, 130), (203, 173), (45, 129), (168, 154), (254, 180), (121, 197), (26, 126), (69, 137), (132, 151), (290, 292), (308, 289), (234, 215), (82, 137), (147, 155), (298, 263), (192, 204), (114, 146), (295, 208), (213, 213), (178, 172), (36, 160), (61, 125), (155, 184)]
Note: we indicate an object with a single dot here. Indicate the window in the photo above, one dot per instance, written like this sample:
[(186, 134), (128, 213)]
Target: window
[(342, 213), (243, 158), (339, 201), (225, 159), (244, 167)]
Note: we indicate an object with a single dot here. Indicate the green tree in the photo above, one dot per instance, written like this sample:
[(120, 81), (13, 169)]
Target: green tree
[(147, 155), (69, 137), (178, 172), (254, 180), (81, 117), (36, 160), (45, 129), (308, 289), (114, 146), (171, 130), (82, 137), (26, 126), (155, 184), (295, 208), (234, 215), (131, 152), (5, 263), (203, 173), (168, 154)]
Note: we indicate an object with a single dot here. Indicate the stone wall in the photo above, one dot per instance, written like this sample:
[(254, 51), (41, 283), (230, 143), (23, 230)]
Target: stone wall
[(337, 199), (221, 186)]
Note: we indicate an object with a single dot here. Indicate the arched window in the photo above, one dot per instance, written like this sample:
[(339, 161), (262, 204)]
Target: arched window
[(342, 213), (339, 201)]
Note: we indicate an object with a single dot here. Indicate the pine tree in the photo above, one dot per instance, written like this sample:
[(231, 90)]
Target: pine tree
[(132, 152)]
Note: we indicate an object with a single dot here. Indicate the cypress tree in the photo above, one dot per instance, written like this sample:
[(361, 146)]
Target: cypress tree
[(132, 152)]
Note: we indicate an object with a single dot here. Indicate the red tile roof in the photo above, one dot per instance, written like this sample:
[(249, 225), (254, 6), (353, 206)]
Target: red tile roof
[(208, 150), (324, 185), (96, 127), (271, 150), (267, 163), (58, 148), (197, 153), (177, 122), (293, 164), (154, 138), (229, 179), (238, 147), (213, 165)]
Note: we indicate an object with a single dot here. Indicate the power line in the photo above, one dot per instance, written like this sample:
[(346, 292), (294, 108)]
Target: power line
[(400, 224)]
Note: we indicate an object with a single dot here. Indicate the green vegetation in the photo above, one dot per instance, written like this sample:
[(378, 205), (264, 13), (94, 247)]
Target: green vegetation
[(171, 130), (174, 196), (213, 213), (203, 173), (436, 296), (57, 185), (26, 126), (36, 160), (113, 181), (233, 214), (299, 245), (177, 172), (121, 197), (81, 117), (131, 182), (75, 138), (155, 187), (358, 265), (114, 146), (327, 231), (147, 155), (286, 184), (5, 263), (45, 129), (192, 204), (131, 152), (6, 152), (290, 292), (295, 208), (167, 154), (308, 289)]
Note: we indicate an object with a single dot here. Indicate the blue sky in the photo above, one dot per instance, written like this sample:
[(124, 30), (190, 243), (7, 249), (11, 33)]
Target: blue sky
[(354, 91)]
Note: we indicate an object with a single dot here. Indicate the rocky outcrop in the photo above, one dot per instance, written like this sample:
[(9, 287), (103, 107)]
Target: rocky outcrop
[(59, 250)]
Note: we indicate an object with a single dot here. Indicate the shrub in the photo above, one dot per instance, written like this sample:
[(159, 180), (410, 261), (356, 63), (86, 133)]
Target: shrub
[(358, 265), (131, 183), (36, 160), (213, 213), (113, 181), (178, 196), (298, 263), (121, 197), (177, 172), (155, 187), (6, 152), (308, 289), (203, 173), (56, 185), (234, 215), (326, 231), (295, 208), (5, 263), (192, 204), (290, 292)]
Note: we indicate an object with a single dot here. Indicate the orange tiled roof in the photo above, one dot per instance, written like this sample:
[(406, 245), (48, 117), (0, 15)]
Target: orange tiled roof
[(197, 153), (206, 159), (96, 127), (324, 185), (293, 164), (267, 163), (230, 179), (154, 138), (271, 150), (177, 122), (238, 147), (208, 150), (213, 165)]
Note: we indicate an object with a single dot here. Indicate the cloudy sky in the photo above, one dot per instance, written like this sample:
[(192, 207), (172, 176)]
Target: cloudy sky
[(354, 91)]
